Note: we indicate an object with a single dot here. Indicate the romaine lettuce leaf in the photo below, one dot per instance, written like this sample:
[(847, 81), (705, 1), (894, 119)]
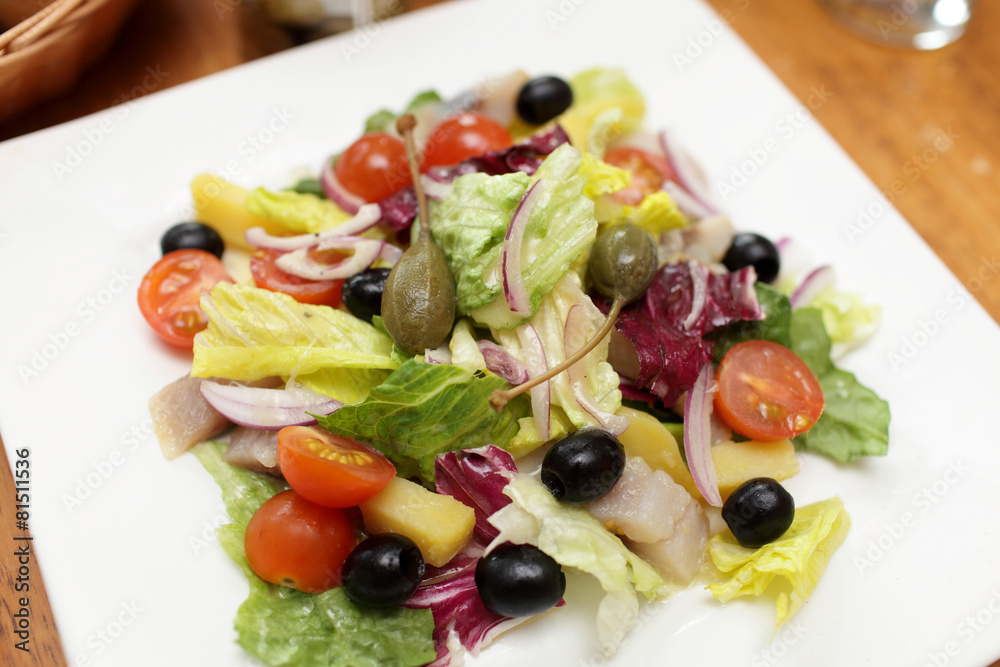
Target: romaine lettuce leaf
[(464, 349), (847, 318), (774, 327), (573, 538), (855, 421), (254, 333), (798, 559), (471, 223), (299, 212), (423, 410), (282, 626)]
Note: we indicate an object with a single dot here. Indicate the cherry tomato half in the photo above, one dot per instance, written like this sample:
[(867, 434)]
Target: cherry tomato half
[(169, 294), (295, 543), (331, 470), (463, 136), (766, 392), (267, 275), (648, 172), (374, 166)]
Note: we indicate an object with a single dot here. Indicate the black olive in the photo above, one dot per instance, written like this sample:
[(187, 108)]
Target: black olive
[(519, 580), (383, 570), (583, 466), (758, 512), (543, 98), (362, 293), (192, 235), (753, 249)]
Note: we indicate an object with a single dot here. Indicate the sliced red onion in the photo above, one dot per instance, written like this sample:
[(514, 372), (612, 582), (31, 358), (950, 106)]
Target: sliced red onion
[(699, 284), (441, 355), (814, 283), (299, 263), (502, 362), (578, 330), (513, 282), (435, 189), (256, 237), (687, 204), (337, 193), (267, 409), (689, 175), (365, 218), (541, 394), (390, 253), (783, 243), (698, 435)]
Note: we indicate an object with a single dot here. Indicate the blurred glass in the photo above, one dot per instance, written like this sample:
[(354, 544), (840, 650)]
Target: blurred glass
[(906, 24), (312, 19)]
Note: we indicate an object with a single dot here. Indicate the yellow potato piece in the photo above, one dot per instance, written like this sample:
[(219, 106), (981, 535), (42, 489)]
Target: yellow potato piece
[(439, 525), (735, 462), (219, 204)]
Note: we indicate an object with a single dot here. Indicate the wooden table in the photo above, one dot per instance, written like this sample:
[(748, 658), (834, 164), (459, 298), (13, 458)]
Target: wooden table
[(887, 109)]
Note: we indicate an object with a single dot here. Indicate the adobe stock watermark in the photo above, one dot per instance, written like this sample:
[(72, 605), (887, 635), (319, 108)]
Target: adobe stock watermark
[(94, 136), (362, 35), (923, 501), (697, 45), (563, 11), (39, 358), (973, 625), (207, 534), (929, 327), (779, 647), (784, 129), (100, 471), (913, 170), (104, 637)]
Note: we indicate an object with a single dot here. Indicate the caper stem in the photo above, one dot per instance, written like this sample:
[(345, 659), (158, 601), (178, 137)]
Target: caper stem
[(405, 126), (500, 397)]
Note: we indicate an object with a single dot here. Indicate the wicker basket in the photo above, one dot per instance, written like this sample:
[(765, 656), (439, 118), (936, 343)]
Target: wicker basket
[(44, 54)]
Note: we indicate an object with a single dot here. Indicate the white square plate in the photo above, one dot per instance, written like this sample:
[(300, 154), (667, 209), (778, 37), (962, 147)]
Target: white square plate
[(126, 538)]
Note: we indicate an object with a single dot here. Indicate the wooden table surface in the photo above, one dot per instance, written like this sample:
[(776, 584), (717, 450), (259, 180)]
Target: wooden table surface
[(886, 110)]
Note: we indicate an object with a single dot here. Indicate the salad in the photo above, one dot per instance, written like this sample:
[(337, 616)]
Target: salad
[(498, 339)]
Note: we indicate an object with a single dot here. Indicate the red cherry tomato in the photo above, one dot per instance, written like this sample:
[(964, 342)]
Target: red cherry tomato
[(374, 166), (292, 542), (648, 173), (331, 470), (463, 136), (169, 294), (766, 392), (267, 275)]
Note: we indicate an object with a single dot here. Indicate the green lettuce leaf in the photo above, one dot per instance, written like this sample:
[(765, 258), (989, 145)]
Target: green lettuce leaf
[(464, 349), (774, 327), (254, 333), (574, 538), (423, 410), (470, 225), (847, 318), (855, 421), (300, 212), (797, 560), (595, 92), (281, 626)]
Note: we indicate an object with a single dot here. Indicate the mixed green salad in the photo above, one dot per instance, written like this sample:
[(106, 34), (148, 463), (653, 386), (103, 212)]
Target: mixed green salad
[(497, 339)]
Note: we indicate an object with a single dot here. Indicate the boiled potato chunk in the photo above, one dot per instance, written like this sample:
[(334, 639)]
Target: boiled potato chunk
[(219, 204), (439, 525), (735, 462)]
